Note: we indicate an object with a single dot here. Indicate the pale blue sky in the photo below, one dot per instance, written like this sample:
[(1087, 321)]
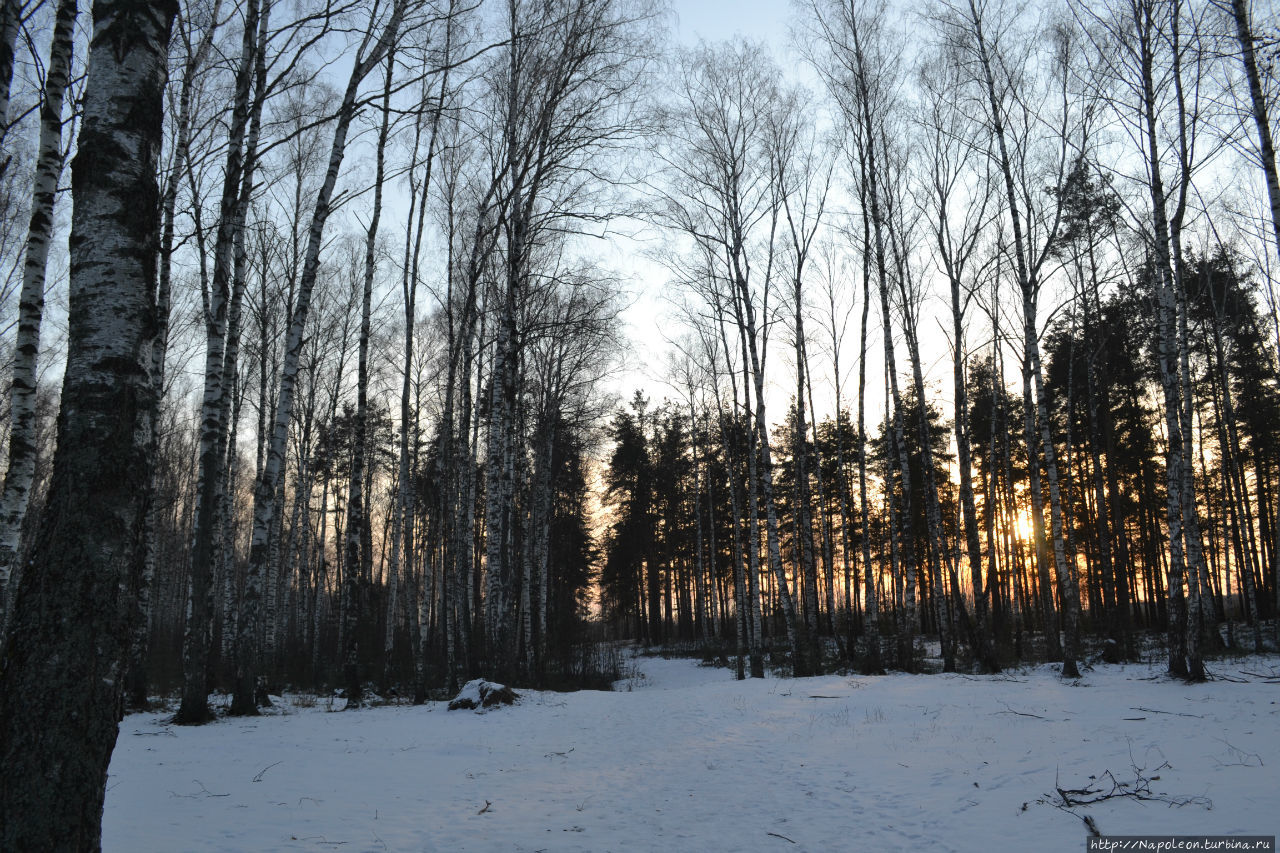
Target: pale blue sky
[(715, 20), (651, 319)]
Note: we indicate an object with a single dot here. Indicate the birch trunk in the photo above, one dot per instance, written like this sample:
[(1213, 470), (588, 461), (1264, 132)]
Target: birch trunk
[(981, 636), (10, 26), (871, 176), (933, 508), (742, 631), (62, 681), (1027, 268), (194, 709), (371, 54), (871, 606), (231, 403), (804, 540), (1197, 578), (22, 393), (1266, 150), (356, 562), (402, 548), (701, 624), (1169, 362), (1065, 571), (181, 164), (804, 662)]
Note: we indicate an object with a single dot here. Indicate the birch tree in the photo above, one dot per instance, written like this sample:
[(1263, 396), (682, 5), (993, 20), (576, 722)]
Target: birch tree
[(214, 404), (22, 392), (857, 68), (1027, 145), (804, 170), (958, 207), (721, 198), (377, 40), (1142, 50), (357, 514), (62, 682), (1245, 35), (561, 94)]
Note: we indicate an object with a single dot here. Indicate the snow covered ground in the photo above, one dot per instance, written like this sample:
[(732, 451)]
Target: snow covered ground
[(690, 760)]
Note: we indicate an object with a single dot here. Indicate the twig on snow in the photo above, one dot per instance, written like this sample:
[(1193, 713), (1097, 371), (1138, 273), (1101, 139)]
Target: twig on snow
[(203, 792), (1243, 759), (261, 772), (1170, 713), (1269, 678), (1108, 787), (1009, 710), (1217, 676)]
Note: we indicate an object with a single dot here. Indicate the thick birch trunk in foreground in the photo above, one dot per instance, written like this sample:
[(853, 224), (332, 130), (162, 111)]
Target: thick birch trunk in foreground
[(22, 395), (63, 675)]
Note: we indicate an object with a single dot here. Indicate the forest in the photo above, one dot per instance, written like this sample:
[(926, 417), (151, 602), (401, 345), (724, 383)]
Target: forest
[(959, 344)]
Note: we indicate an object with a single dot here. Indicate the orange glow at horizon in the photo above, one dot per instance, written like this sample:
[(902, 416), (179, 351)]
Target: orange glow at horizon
[(1024, 528)]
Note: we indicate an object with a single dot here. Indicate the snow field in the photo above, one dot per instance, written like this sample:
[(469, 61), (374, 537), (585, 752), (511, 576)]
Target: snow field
[(690, 759)]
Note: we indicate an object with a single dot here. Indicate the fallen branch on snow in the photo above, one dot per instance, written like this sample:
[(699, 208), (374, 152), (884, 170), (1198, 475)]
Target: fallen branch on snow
[(1008, 710), (1170, 713), (263, 771), (1108, 787), (203, 792)]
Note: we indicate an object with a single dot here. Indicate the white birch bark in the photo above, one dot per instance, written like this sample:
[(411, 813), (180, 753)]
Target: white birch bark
[(10, 25), (371, 53), (357, 513), (196, 58), (871, 604), (213, 427), (62, 680), (22, 392), (1028, 261), (1267, 154)]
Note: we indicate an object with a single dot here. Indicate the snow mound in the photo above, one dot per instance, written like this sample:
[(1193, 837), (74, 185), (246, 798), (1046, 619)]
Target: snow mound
[(480, 694)]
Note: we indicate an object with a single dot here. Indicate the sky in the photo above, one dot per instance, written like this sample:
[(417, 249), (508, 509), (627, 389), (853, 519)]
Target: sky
[(716, 20), (650, 321)]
